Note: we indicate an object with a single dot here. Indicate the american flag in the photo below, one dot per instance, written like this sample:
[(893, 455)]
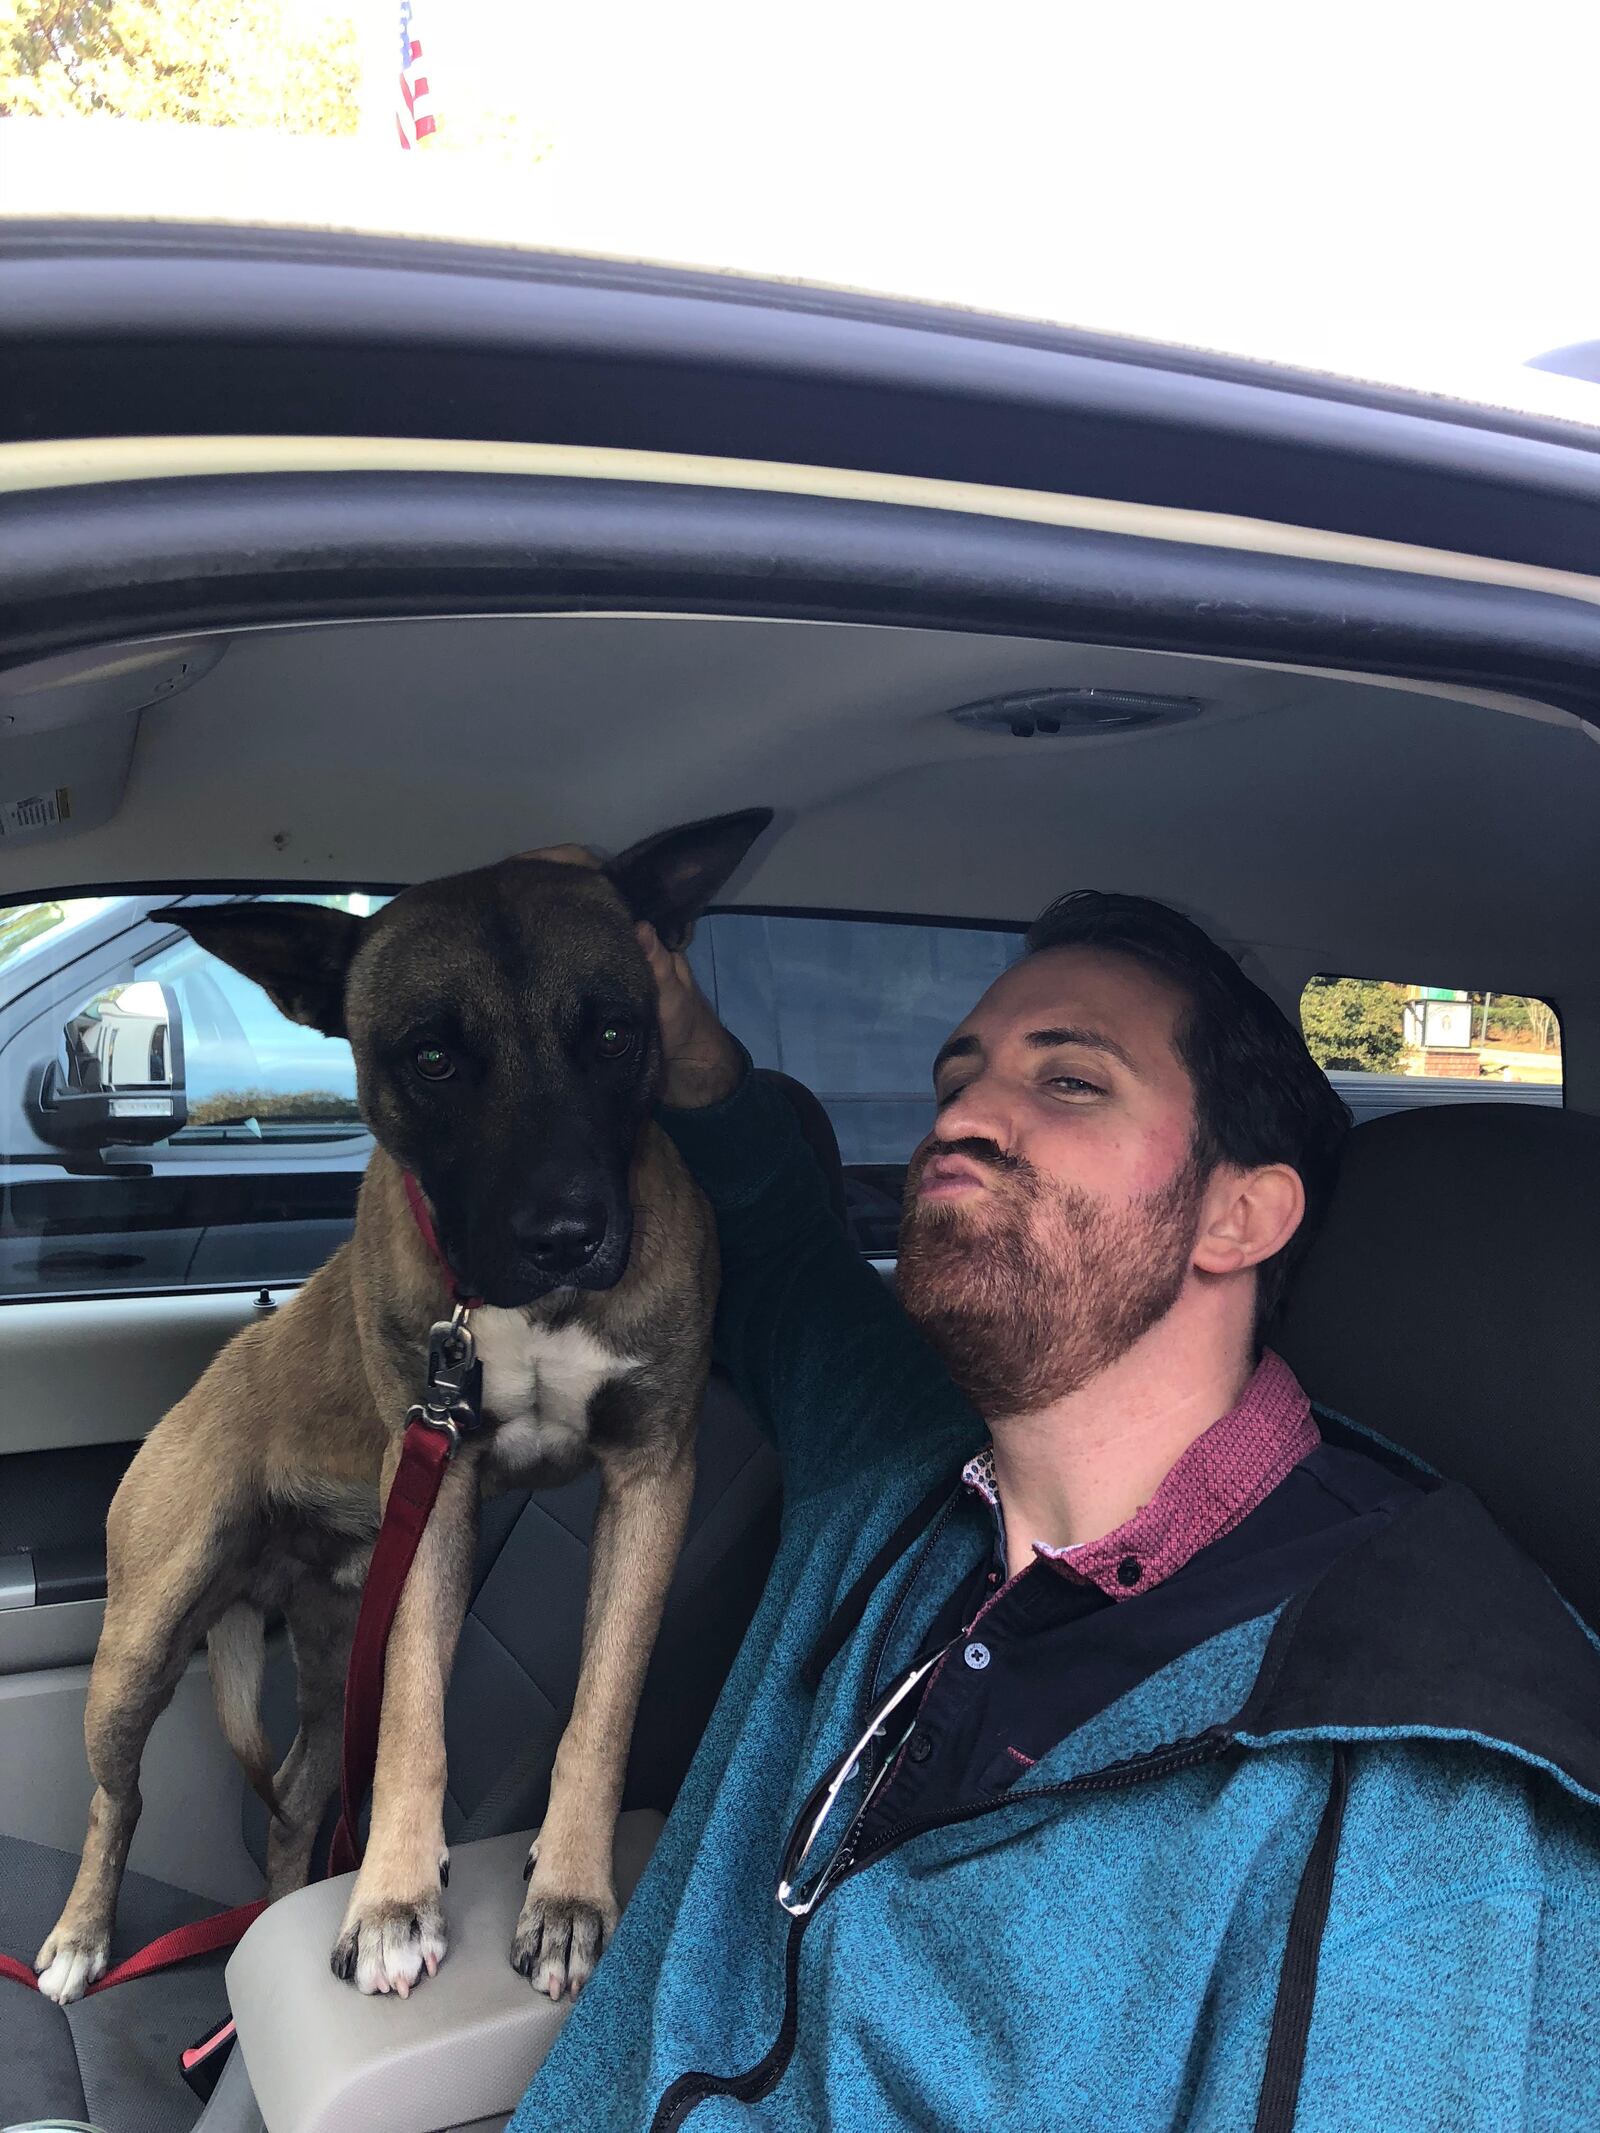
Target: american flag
[(413, 114)]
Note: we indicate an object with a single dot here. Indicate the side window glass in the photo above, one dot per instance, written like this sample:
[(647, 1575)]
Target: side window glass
[(855, 1009), (247, 1068), (111, 1029), (1390, 1046)]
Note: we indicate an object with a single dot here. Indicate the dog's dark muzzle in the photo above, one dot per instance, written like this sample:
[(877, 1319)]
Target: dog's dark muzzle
[(560, 1241), (573, 1239)]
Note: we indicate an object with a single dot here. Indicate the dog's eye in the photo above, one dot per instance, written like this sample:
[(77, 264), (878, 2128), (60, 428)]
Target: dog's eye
[(615, 1040), (433, 1062)]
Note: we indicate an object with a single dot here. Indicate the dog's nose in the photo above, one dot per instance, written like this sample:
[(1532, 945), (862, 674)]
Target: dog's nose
[(563, 1241)]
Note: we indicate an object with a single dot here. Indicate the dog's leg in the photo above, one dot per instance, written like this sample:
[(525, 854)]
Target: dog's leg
[(149, 1634), (322, 1621), (570, 1911), (394, 1923)]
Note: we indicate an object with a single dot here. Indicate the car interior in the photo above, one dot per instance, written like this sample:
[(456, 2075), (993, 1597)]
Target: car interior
[(985, 612), (1318, 822)]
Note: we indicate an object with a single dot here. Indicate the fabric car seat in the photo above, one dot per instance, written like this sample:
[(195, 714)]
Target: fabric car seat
[(1449, 1304)]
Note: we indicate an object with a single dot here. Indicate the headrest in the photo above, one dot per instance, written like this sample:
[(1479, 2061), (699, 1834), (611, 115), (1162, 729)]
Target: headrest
[(1452, 1303), (820, 1137)]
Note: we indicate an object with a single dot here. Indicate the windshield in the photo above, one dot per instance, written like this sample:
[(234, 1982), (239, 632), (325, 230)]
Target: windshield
[(1401, 195)]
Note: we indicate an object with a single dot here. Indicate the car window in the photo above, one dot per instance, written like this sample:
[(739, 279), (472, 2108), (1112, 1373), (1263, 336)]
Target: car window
[(257, 1183), (249, 1072), (35, 930), (855, 1009), (220, 1144), (1390, 1046)]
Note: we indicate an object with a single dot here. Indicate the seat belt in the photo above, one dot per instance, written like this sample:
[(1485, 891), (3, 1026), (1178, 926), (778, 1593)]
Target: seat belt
[(448, 1410)]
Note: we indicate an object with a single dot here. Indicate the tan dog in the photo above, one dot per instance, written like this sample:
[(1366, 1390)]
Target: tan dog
[(507, 1055)]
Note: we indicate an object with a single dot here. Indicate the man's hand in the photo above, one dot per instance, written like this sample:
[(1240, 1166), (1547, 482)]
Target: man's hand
[(701, 1060)]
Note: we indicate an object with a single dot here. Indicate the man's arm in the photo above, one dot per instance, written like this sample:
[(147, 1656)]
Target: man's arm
[(808, 1331), (1469, 2008)]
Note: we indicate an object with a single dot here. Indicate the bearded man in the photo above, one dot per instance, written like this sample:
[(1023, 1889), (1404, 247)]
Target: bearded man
[(1034, 1799)]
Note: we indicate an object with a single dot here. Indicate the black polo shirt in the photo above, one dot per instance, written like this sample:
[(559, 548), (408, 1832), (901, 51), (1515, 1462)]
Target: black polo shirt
[(1031, 1661)]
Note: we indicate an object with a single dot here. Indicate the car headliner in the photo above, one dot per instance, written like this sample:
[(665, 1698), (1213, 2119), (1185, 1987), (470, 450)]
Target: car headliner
[(1321, 822)]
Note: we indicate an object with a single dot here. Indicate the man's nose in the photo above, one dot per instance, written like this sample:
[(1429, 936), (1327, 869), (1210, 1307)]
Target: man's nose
[(560, 1239), (978, 1112)]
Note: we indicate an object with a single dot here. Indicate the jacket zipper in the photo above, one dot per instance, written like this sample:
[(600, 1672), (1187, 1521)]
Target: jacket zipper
[(758, 2081)]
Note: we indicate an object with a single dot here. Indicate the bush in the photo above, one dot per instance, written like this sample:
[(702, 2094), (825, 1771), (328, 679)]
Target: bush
[(1352, 1025), (305, 1106)]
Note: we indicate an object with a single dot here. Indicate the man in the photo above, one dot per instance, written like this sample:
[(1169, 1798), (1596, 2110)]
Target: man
[(1118, 1743)]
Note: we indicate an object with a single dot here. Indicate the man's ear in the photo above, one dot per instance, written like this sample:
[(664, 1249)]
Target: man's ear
[(671, 877), (299, 954), (1248, 1216)]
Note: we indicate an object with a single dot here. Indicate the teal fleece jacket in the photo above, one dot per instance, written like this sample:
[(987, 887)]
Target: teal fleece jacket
[(1337, 1867)]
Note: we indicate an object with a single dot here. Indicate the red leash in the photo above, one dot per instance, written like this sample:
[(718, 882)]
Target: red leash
[(224, 1929), (433, 1430), (412, 1495)]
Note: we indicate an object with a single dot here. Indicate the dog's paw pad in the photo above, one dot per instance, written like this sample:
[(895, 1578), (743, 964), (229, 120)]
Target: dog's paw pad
[(559, 1939), (388, 1947), (67, 1968)]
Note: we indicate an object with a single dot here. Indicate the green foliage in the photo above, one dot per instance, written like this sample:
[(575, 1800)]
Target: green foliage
[(1352, 1025), (269, 63), (24, 923)]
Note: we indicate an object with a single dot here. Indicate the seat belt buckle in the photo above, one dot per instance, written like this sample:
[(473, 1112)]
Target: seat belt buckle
[(202, 2063)]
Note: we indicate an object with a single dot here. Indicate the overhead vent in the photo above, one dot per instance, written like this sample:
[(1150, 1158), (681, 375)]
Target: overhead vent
[(1075, 714)]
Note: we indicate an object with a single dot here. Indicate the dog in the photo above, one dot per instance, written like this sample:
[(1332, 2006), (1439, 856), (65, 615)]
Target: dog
[(503, 1024)]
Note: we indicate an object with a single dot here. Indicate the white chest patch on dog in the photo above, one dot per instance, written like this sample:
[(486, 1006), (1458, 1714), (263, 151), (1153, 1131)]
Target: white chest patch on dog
[(537, 1385)]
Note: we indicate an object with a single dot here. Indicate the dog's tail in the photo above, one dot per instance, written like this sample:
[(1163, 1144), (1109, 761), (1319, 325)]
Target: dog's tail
[(237, 1651)]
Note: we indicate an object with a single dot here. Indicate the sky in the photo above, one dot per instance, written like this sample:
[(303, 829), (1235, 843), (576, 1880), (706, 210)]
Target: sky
[(1403, 191)]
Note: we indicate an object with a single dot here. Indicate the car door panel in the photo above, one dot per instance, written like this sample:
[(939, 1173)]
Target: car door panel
[(104, 1370)]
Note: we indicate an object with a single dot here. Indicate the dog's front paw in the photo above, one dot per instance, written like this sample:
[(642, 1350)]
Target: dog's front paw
[(385, 1946), (559, 1939), (68, 1966)]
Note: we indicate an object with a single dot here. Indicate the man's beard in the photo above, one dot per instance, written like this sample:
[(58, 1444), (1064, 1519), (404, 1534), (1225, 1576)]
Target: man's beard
[(1031, 1291)]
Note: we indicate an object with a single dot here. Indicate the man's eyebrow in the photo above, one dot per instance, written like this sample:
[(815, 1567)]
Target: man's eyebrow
[(955, 1048), (1051, 1040)]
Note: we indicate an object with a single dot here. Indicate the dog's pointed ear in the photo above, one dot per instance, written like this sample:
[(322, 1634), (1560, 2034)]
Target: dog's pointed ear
[(671, 877), (299, 954)]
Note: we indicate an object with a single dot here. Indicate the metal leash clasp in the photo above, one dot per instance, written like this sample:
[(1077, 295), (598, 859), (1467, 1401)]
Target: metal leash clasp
[(453, 1401)]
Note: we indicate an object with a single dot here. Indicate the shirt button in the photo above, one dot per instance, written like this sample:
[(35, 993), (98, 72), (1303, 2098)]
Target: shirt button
[(919, 1747), (977, 1657), (1130, 1570)]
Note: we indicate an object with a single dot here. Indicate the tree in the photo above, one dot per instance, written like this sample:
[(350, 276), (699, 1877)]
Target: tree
[(1352, 1025), (279, 64), (1544, 1024), (1518, 1016)]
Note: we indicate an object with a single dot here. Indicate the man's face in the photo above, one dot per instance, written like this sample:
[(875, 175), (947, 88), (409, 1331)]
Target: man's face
[(1051, 1215)]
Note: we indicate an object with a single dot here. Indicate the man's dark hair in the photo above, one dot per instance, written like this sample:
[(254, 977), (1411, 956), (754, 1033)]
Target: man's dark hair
[(1259, 1096)]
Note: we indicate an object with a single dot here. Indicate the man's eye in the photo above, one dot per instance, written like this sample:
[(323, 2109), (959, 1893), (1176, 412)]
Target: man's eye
[(616, 1040), (433, 1062), (1075, 1085)]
